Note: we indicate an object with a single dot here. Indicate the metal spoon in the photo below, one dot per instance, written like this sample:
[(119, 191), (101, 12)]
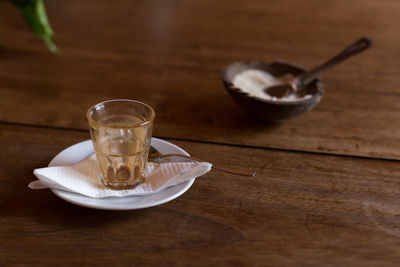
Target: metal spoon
[(296, 84), (156, 155)]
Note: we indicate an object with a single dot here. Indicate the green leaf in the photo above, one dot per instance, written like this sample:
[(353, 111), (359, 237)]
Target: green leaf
[(35, 16)]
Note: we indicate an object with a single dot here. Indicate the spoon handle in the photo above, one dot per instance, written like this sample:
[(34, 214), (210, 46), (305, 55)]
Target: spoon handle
[(355, 48), (220, 168)]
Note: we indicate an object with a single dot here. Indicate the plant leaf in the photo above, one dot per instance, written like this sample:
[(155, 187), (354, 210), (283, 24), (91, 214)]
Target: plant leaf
[(35, 16)]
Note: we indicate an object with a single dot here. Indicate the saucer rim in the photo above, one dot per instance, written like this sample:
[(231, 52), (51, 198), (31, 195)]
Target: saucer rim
[(107, 203)]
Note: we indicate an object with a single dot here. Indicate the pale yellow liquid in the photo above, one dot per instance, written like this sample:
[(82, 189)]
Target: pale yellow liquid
[(121, 152)]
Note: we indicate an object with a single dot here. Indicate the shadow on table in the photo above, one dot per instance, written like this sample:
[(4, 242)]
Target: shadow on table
[(39, 213), (48, 211), (202, 112)]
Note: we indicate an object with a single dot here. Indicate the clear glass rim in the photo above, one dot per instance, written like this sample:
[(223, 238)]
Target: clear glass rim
[(92, 121)]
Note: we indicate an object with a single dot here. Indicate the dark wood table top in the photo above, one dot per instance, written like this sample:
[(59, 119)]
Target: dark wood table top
[(327, 190)]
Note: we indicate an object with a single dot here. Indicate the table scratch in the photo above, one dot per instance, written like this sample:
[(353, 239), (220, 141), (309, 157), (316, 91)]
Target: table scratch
[(180, 228), (387, 221)]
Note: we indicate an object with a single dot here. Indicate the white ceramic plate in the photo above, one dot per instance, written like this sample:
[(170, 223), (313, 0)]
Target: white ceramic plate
[(80, 151)]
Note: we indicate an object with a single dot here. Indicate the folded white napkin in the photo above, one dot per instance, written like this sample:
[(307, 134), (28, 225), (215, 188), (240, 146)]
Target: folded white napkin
[(83, 178)]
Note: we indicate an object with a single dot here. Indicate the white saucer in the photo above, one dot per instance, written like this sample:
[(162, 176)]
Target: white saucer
[(82, 150)]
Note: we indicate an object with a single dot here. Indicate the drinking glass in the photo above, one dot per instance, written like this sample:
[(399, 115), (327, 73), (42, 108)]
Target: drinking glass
[(121, 134)]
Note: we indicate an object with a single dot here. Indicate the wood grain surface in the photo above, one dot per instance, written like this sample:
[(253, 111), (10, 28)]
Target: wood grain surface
[(170, 54), (300, 209), (327, 186)]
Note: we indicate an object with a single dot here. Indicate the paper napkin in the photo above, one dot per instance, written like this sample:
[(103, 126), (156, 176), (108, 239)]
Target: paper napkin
[(83, 178)]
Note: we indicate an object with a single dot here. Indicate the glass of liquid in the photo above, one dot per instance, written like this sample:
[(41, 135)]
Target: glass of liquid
[(121, 134)]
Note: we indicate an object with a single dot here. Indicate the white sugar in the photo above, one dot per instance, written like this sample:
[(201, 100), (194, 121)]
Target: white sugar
[(253, 82)]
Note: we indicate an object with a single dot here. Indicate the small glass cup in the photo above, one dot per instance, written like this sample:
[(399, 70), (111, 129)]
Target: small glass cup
[(121, 134)]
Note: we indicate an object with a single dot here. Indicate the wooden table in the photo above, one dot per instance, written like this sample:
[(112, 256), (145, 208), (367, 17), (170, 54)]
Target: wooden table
[(327, 190)]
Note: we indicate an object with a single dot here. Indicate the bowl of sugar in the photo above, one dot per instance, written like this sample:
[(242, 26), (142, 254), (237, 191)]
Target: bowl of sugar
[(246, 82)]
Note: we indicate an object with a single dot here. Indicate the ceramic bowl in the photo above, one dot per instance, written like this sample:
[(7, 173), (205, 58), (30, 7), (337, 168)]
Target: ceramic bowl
[(271, 110)]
